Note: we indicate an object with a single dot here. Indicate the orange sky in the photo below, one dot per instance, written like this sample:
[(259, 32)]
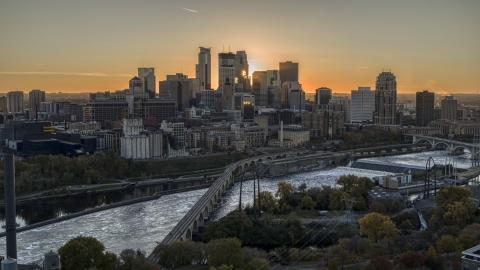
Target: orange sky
[(77, 46)]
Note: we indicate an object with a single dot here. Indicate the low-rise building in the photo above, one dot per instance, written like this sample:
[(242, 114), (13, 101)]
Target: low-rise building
[(471, 258)]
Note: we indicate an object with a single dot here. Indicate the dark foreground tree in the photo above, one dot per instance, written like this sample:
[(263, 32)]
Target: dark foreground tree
[(85, 252)]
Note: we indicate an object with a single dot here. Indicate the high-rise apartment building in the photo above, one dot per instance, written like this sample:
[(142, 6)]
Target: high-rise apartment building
[(147, 75), (362, 105), (449, 108), (226, 69), (35, 98), (177, 88), (241, 70), (227, 94), (323, 95), (386, 99), (424, 108), (245, 103), (203, 69), (288, 71), (15, 102)]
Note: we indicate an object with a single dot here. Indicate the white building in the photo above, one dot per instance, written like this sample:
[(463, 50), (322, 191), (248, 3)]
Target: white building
[(362, 105), (176, 143), (133, 144)]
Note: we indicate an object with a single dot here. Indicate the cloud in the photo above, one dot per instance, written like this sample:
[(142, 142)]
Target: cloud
[(191, 10), (88, 74)]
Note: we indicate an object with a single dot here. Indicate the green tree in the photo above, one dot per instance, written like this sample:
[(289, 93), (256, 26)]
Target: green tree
[(466, 241), (336, 200), (308, 203), (227, 251), (84, 252), (346, 182), (376, 226), (378, 207)]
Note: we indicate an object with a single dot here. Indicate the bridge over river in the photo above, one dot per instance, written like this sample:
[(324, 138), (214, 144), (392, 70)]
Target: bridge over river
[(450, 145)]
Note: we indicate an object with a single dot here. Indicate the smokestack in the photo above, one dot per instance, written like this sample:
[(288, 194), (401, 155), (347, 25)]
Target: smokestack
[(10, 211), (281, 131)]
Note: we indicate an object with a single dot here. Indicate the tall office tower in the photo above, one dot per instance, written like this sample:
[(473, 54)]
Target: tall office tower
[(323, 95), (386, 99), (297, 99), (15, 101), (287, 87), (35, 97), (246, 104), (346, 103), (449, 108), (288, 71), (227, 95), (241, 70), (207, 98), (203, 69), (273, 78), (176, 87), (260, 88), (425, 103), (135, 86), (147, 75), (362, 105), (226, 69)]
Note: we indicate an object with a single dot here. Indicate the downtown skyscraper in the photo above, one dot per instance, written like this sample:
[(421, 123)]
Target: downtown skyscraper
[(424, 108), (203, 69), (386, 99), (241, 71), (147, 75), (226, 69), (35, 98)]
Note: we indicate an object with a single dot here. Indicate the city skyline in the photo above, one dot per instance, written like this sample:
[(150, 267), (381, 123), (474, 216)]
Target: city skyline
[(79, 47)]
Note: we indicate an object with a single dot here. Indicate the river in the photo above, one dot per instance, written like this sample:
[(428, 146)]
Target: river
[(141, 225)]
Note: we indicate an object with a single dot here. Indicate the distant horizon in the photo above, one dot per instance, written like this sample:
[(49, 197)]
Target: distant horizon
[(89, 46)]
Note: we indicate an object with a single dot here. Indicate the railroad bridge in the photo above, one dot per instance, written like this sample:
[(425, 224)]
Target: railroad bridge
[(200, 212), (451, 145)]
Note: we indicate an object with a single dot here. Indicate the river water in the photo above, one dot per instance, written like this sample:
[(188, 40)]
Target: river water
[(141, 225)]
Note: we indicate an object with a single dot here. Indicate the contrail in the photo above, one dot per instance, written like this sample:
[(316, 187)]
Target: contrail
[(189, 9)]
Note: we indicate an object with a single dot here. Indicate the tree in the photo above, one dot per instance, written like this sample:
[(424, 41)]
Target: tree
[(412, 259), (222, 267), (369, 266), (459, 213), (378, 207), (336, 200), (466, 241), (346, 182), (447, 244), (308, 203), (133, 260), (84, 252), (376, 226), (450, 194), (268, 202), (257, 264), (302, 188), (284, 190), (226, 251), (381, 260)]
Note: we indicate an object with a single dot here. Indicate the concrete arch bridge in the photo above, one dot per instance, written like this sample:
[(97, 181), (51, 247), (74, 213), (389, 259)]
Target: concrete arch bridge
[(451, 145)]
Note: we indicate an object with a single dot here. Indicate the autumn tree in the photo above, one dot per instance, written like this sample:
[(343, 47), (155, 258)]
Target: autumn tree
[(381, 260), (376, 226), (412, 259), (84, 252), (447, 244), (283, 191), (257, 264), (466, 241), (336, 200), (268, 202), (225, 251)]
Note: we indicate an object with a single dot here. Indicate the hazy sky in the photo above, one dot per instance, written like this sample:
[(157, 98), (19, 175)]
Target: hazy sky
[(97, 45)]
